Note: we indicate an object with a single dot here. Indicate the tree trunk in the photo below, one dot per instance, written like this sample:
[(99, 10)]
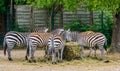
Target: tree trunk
[(115, 45), (91, 17)]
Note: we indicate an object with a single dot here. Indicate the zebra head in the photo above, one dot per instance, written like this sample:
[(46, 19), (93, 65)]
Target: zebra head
[(58, 31), (46, 30), (67, 35)]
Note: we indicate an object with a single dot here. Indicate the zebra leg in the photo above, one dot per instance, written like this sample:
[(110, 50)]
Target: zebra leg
[(32, 54), (9, 54), (53, 57), (102, 52), (10, 46), (48, 52), (58, 55), (27, 54), (89, 52), (82, 52), (95, 53), (61, 58)]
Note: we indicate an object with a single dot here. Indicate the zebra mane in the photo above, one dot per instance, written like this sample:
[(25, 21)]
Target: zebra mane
[(57, 31)]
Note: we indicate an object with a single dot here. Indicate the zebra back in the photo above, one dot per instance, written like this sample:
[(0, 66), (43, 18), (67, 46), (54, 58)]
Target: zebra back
[(39, 38), (75, 35), (16, 37), (87, 32)]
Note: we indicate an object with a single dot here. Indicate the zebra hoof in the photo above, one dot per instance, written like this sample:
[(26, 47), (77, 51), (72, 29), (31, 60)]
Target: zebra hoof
[(101, 59), (97, 58), (34, 61), (10, 59), (54, 63), (26, 58), (48, 59), (60, 61), (88, 56), (107, 61), (29, 61)]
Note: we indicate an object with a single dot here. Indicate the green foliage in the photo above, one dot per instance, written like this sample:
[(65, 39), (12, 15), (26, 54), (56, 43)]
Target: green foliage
[(70, 5), (20, 2), (76, 26), (2, 6), (106, 5)]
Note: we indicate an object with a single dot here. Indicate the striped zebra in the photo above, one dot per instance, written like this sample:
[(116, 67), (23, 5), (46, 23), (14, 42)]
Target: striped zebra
[(56, 44), (13, 38), (92, 40), (38, 39)]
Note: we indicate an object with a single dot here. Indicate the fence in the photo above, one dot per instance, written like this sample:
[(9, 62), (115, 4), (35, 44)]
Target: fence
[(27, 16), (82, 16)]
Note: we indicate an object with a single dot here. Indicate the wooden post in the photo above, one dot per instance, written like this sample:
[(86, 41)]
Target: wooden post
[(11, 14), (52, 19), (31, 19), (102, 24), (91, 17)]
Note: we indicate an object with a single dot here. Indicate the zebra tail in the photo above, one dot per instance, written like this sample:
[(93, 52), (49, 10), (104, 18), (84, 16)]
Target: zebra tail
[(4, 47), (28, 47)]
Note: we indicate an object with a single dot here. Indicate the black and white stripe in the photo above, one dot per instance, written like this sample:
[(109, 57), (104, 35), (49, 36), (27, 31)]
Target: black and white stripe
[(56, 44), (11, 39), (38, 39), (74, 36), (91, 40)]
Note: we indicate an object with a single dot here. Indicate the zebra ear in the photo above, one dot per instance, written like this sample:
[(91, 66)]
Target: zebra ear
[(60, 31), (46, 29), (68, 30)]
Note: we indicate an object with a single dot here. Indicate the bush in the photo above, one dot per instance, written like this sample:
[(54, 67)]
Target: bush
[(76, 26)]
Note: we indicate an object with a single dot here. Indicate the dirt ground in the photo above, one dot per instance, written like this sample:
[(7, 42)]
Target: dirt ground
[(87, 64)]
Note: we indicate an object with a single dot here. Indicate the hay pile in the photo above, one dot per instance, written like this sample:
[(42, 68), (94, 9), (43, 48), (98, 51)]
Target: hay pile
[(71, 51)]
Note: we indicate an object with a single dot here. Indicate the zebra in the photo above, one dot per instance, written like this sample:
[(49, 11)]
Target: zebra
[(56, 44), (92, 40), (13, 38), (38, 39)]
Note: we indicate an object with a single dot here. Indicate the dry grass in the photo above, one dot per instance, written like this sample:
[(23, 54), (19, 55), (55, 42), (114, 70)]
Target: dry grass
[(86, 64)]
